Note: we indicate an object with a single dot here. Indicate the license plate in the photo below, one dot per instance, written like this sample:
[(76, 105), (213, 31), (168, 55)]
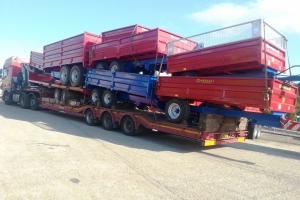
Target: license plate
[(241, 139), (224, 135)]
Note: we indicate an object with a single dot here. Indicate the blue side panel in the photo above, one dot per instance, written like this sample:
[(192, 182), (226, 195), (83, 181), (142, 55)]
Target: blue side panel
[(136, 84)]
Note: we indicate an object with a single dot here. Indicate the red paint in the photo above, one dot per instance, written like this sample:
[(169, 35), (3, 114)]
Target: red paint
[(123, 32), (36, 60), (244, 92), (73, 50), (245, 55), (148, 44)]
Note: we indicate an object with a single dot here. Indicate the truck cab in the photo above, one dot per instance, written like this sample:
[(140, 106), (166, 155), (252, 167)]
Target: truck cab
[(12, 77)]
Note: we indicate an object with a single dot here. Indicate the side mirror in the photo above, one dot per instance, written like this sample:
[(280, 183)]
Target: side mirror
[(0, 75)]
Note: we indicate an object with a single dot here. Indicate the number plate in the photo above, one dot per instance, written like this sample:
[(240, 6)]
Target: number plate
[(224, 135)]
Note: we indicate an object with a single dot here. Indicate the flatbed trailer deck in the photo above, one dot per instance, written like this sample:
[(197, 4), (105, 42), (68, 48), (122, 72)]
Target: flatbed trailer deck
[(155, 123)]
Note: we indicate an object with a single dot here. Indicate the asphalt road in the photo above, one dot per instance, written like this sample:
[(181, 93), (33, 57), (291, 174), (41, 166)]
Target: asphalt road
[(50, 155)]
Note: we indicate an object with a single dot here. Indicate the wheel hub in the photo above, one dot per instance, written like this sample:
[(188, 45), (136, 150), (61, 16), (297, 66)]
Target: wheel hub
[(74, 76), (106, 98), (174, 111), (63, 76)]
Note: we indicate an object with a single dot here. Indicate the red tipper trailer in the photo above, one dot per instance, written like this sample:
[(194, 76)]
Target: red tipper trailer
[(244, 92), (73, 50), (148, 44), (123, 32), (36, 60), (244, 47)]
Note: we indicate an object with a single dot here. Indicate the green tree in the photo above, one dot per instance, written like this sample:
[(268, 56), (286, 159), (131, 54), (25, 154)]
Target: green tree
[(293, 116)]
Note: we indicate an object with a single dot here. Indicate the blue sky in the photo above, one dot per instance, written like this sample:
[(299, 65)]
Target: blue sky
[(29, 25)]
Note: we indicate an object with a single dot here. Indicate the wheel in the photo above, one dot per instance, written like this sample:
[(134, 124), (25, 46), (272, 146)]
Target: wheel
[(7, 98), (24, 101), (89, 117), (96, 94), (33, 102), (76, 76), (109, 98), (57, 93), (64, 75), (102, 65), (252, 131), (106, 121), (176, 110), (116, 66), (189, 74), (67, 95), (128, 126), (187, 110), (258, 131)]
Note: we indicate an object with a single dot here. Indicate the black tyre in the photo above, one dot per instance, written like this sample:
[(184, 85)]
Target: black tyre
[(189, 74), (128, 126), (33, 102), (109, 98), (57, 93), (102, 65), (67, 95), (89, 117), (258, 132), (176, 110), (64, 75), (76, 76), (187, 111), (24, 101), (7, 98), (106, 121), (96, 95), (116, 66), (252, 131)]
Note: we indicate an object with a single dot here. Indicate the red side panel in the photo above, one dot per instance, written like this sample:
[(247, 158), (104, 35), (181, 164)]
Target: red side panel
[(237, 56), (74, 50), (144, 45), (123, 32), (36, 60), (244, 92), (275, 57)]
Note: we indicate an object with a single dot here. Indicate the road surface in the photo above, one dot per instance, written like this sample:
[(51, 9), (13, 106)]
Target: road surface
[(50, 155)]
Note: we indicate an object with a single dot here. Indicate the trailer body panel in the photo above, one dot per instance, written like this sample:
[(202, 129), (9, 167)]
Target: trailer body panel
[(73, 50)]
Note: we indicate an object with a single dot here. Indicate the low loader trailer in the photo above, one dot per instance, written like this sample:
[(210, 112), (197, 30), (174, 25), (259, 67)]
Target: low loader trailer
[(208, 123)]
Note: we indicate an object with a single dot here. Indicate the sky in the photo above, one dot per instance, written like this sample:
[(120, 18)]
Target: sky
[(29, 25)]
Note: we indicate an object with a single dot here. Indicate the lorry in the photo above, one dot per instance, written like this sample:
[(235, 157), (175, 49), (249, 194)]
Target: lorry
[(209, 108)]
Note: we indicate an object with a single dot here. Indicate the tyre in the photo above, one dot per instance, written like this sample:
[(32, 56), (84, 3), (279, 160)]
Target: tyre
[(64, 75), (24, 101), (76, 76), (189, 74), (252, 131), (187, 111), (57, 93), (67, 95), (7, 98), (102, 65), (116, 66), (258, 132), (106, 121), (128, 126), (109, 98), (89, 117), (33, 102), (176, 110), (96, 94)]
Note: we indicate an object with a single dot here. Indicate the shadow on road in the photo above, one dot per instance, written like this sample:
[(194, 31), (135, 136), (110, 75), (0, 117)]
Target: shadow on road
[(154, 141)]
